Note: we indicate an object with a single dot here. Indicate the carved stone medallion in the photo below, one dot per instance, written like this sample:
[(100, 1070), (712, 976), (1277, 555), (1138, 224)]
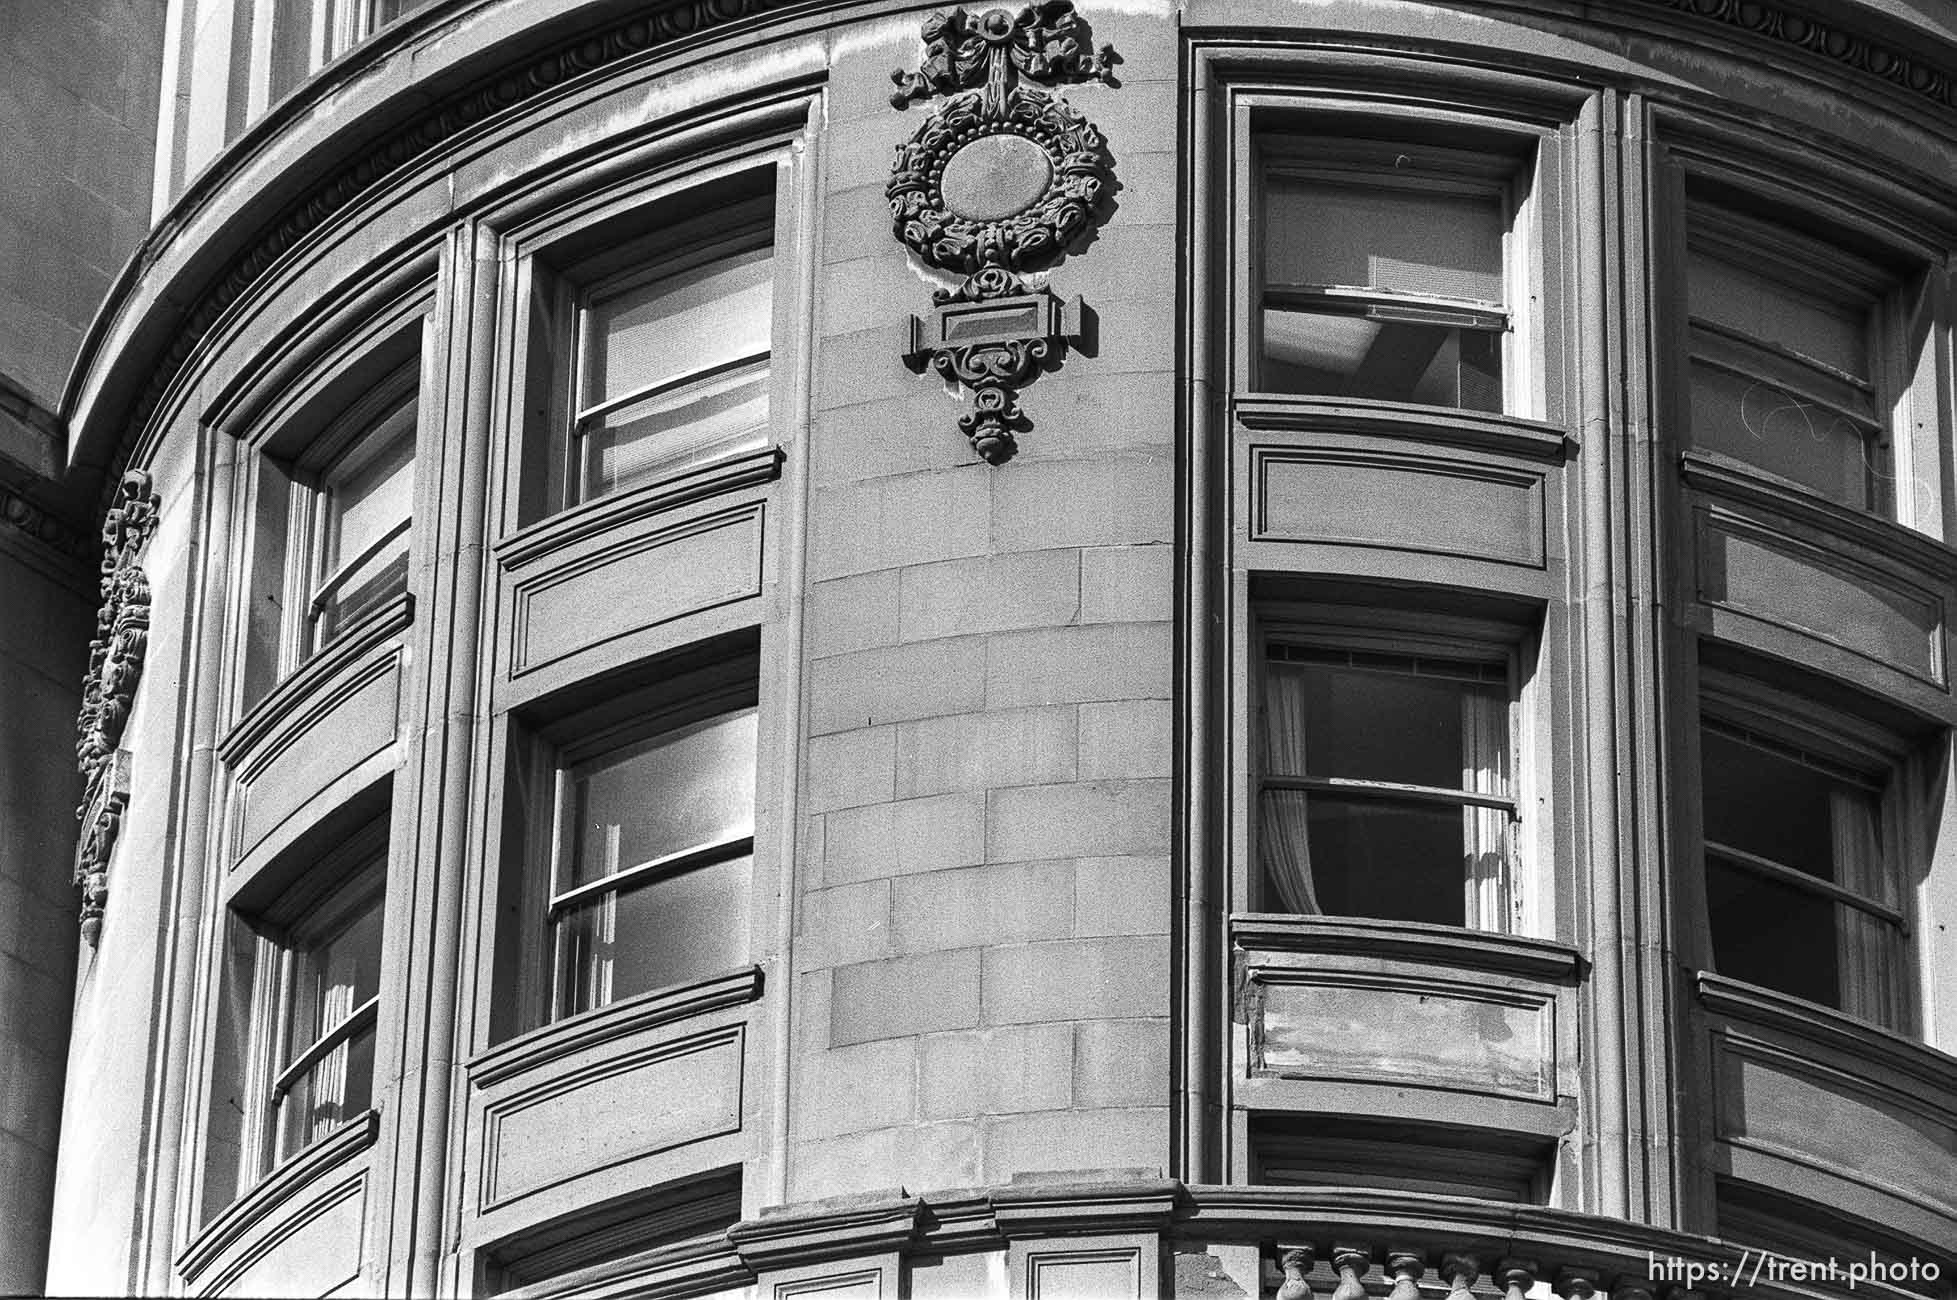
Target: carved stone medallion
[(115, 665), (998, 180)]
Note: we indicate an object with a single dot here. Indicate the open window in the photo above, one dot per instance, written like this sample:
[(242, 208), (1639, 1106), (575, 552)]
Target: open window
[(1388, 271), (1805, 854), (1386, 774)]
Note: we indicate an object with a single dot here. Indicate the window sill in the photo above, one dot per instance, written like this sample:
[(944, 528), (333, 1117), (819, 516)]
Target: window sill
[(1533, 439), (621, 1019), (1734, 480), (591, 518), (275, 1190), (1863, 1039), (290, 696), (1444, 945)]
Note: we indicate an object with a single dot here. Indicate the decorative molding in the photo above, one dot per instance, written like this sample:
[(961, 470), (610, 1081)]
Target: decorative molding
[(43, 525), (1000, 179), (1825, 1027), (616, 1022), (1443, 945), (267, 1201), (115, 666), (1851, 50), (423, 135)]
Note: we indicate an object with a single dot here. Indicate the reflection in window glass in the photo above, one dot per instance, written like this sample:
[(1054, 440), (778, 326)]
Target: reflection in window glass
[(1781, 371), (674, 371), (652, 885), (329, 1059)]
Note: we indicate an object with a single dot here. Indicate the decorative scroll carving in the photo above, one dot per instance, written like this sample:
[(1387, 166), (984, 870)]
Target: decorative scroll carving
[(115, 665), (999, 180)]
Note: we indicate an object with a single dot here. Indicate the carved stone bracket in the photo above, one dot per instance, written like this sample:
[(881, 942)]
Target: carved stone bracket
[(1000, 179), (115, 665)]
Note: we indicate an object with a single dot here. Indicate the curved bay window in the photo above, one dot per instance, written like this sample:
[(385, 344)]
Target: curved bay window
[(1787, 339), (1386, 785), (1384, 271), (654, 845), (298, 1010), (667, 367), (1804, 889)]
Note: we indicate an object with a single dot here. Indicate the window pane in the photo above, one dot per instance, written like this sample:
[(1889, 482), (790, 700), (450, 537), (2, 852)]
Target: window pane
[(679, 325), (339, 1087), (370, 496), (679, 790), (1741, 300), (690, 425), (1386, 726), (653, 935), (1780, 431), (1771, 805), (1772, 934), (1387, 859), (334, 976), (1337, 354), (1428, 242)]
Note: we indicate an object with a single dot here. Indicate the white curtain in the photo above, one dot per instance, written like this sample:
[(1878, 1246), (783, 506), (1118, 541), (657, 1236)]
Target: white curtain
[(1283, 829), (1484, 849), (1868, 947)]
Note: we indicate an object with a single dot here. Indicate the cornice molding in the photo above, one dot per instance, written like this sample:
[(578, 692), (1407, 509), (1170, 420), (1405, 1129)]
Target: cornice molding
[(489, 96), (45, 527), (502, 88), (1859, 53)]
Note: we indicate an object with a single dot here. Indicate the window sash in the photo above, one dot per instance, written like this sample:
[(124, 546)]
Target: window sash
[(670, 864), (1794, 877), (362, 1017)]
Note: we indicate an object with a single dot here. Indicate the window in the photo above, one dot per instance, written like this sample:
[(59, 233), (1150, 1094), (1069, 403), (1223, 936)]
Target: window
[(669, 369), (652, 849), (298, 1009), (1384, 271), (306, 35), (1802, 889), (1785, 342), (1386, 784), (333, 534)]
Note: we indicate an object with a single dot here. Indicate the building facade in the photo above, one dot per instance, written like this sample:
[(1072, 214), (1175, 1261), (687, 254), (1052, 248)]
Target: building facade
[(1123, 649)]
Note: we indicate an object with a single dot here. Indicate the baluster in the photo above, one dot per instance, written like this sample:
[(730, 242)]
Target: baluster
[(1518, 1275), (1296, 1262), (1577, 1283), (1460, 1271), (1406, 1266), (1353, 1263)]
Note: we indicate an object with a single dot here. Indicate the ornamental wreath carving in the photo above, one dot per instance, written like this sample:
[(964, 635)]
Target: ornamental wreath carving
[(1000, 179), (115, 664)]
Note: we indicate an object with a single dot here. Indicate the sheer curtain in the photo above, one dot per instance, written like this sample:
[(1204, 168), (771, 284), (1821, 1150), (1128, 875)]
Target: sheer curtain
[(1283, 838), (1867, 946), (1484, 849)]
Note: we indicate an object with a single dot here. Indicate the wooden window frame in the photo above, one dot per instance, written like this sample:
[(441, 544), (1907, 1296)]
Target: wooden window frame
[(1279, 139), (1852, 751), (1384, 631)]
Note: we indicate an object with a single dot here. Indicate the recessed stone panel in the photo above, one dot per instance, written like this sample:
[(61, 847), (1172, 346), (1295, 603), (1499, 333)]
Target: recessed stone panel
[(611, 1111), (1786, 582), (313, 1252), (350, 725), (1836, 1126), (634, 583), (1397, 502), (1421, 1034)]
